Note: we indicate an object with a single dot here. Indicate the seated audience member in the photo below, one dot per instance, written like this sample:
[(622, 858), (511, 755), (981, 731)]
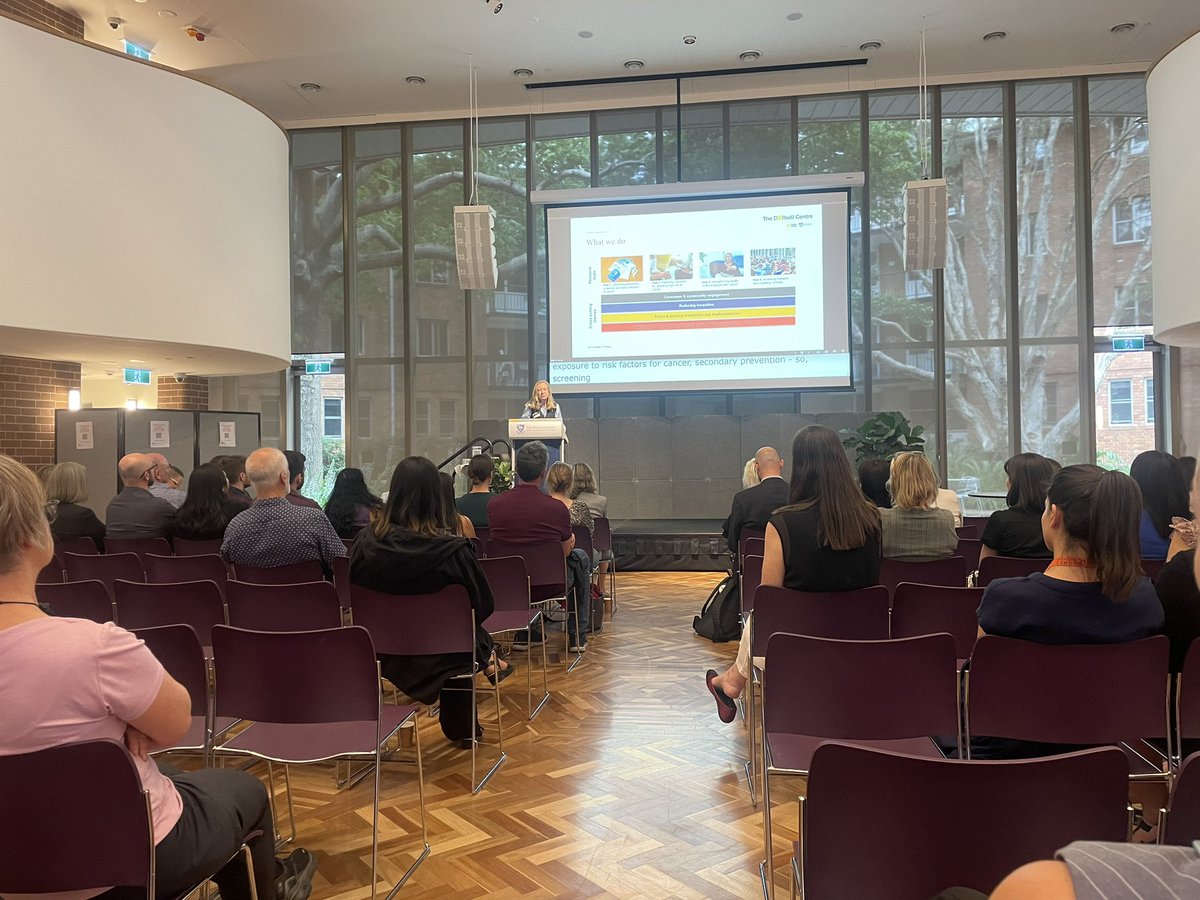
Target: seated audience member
[(913, 529), (1179, 592), (351, 503), (274, 531), (456, 521), (584, 489), (235, 470), (66, 485), (559, 480), (43, 473), (753, 506), (750, 474), (1164, 499), (1017, 530), (67, 680), (207, 511), (162, 486), (948, 500), (135, 512), (474, 503), (176, 478), (1095, 870), (1093, 590), (410, 549), (827, 538), (1188, 464), (296, 461), (873, 477), (525, 515)]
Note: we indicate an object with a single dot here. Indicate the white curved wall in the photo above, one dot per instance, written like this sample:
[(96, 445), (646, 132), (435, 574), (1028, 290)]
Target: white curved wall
[(140, 204), (1173, 92)]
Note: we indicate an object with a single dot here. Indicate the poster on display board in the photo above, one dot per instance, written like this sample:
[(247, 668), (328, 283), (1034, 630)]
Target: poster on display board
[(84, 439), (160, 433), (227, 434)]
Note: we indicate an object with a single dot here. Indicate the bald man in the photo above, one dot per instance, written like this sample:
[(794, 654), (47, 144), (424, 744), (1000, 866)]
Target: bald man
[(135, 512), (162, 487), (753, 506)]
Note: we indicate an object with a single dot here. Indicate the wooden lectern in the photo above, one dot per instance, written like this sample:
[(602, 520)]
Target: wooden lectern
[(549, 431)]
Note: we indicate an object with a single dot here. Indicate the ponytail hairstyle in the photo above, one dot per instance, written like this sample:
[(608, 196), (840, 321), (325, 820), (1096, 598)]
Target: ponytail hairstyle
[(1101, 511), (822, 477)]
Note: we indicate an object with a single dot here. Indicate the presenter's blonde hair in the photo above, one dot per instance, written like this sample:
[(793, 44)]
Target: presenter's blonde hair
[(911, 481), (533, 400)]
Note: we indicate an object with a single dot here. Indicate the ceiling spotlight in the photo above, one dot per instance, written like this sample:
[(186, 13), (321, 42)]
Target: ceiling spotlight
[(749, 56), (995, 36), (522, 73), (795, 16), (689, 39), (494, 5), (634, 64), (168, 13), (414, 79), (1123, 28), (868, 46), (311, 86), (585, 34)]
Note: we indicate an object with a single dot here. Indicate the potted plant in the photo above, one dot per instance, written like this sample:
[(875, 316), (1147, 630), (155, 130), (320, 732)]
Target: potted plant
[(502, 475), (884, 435)]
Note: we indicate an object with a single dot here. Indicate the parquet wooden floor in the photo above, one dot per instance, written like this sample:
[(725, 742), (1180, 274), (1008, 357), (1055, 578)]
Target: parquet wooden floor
[(626, 785)]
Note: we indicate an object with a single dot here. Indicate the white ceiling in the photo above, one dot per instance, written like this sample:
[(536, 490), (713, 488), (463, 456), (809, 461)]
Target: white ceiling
[(360, 51)]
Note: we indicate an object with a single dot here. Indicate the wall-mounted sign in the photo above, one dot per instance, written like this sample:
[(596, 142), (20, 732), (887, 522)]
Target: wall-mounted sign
[(1129, 343), (137, 376), (318, 366)]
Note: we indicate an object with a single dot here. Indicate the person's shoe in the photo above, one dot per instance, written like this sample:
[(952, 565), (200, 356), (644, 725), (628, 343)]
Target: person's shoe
[(578, 645), (497, 677), (523, 640), (726, 708), (296, 870)]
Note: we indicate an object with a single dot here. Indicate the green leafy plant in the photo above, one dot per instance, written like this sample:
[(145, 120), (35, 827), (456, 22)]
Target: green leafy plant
[(502, 475), (883, 435)]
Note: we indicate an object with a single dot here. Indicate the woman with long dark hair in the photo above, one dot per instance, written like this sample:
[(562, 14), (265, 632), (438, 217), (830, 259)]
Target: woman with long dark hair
[(1164, 498), (826, 539), (410, 549), (1017, 530), (351, 503), (206, 511), (873, 477)]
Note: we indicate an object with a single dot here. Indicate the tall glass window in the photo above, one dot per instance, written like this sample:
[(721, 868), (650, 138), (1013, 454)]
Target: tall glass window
[(626, 142), (318, 291)]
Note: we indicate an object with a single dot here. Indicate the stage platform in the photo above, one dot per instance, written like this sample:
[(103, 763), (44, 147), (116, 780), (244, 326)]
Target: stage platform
[(669, 545)]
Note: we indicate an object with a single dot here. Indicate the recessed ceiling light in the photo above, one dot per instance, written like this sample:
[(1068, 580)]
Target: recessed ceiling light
[(1123, 28), (168, 13), (995, 36), (689, 39), (585, 34), (795, 16), (749, 56), (311, 86), (414, 79), (867, 46), (634, 64), (522, 73)]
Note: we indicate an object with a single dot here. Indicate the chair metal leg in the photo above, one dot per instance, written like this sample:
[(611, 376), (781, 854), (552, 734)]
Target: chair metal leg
[(751, 742), (424, 829), (572, 663), (767, 867), (545, 679)]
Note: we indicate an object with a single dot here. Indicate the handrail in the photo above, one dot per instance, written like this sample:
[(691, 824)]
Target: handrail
[(505, 443), (487, 445)]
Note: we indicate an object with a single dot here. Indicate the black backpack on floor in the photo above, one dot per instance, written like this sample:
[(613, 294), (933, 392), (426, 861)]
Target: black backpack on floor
[(720, 618)]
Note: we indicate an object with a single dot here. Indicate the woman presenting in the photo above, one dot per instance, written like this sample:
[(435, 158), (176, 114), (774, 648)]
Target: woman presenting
[(541, 405)]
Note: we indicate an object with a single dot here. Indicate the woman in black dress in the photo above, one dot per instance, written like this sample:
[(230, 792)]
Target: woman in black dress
[(66, 485), (207, 510), (1017, 530)]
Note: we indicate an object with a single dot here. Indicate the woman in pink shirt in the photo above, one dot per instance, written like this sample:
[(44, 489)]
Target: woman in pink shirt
[(65, 680)]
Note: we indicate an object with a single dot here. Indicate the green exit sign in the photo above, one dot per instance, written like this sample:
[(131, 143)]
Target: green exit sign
[(318, 366), (137, 376), (1128, 344)]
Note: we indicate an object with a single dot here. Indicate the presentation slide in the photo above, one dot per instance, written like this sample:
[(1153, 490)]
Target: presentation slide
[(729, 293)]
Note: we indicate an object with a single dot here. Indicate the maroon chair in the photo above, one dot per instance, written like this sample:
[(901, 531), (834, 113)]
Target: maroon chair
[(979, 523), (481, 535), (423, 624), (967, 533), (49, 848), (178, 648), (173, 569), (341, 579), (195, 603), (934, 609), (1187, 699), (880, 824), (993, 567), (81, 544), (969, 550), (1071, 694), (754, 546), (283, 607), (746, 535), (751, 578), (186, 547), (547, 580), (893, 694), (507, 578), (583, 540), (1151, 567), (1179, 823), (296, 573), (78, 600), (52, 572), (139, 546), (602, 540), (843, 615), (106, 568), (347, 543), (312, 696), (951, 572)]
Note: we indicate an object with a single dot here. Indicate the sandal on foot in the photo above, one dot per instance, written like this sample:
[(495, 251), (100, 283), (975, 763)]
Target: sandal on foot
[(726, 708)]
